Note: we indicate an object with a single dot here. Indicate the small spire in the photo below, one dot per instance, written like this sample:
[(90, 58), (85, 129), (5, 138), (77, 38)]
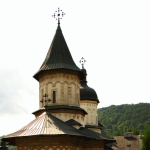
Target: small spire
[(82, 61), (59, 14)]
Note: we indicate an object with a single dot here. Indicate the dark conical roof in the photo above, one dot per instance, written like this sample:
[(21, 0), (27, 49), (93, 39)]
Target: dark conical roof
[(87, 93), (58, 56)]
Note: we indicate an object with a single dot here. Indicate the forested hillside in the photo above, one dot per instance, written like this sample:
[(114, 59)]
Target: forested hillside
[(122, 118)]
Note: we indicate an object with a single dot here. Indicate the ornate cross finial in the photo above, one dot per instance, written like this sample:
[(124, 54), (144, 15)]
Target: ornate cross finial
[(82, 61), (59, 14), (45, 96)]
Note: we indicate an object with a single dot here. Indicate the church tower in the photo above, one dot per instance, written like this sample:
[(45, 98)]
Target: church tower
[(62, 121), (89, 102), (58, 77), (59, 82)]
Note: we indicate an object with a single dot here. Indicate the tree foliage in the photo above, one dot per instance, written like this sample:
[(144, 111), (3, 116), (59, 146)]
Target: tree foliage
[(146, 139), (124, 118)]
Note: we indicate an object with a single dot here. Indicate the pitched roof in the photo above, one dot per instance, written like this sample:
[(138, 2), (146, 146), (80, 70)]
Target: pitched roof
[(58, 56), (46, 124), (49, 125), (64, 107), (73, 122), (93, 126), (95, 135)]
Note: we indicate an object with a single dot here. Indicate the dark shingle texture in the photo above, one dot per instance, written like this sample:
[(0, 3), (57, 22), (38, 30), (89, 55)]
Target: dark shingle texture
[(65, 107), (58, 56), (61, 107), (73, 122), (95, 135), (87, 93)]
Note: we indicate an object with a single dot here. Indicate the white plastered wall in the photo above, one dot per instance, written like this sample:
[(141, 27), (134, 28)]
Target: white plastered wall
[(91, 108), (67, 116)]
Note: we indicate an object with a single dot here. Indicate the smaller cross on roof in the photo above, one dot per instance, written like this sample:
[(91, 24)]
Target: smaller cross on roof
[(82, 61)]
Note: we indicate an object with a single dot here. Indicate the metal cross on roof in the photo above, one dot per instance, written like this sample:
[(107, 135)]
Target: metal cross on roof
[(59, 14), (82, 61)]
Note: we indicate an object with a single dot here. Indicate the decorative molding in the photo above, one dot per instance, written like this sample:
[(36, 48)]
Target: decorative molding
[(54, 85), (88, 101), (49, 82), (67, 86)]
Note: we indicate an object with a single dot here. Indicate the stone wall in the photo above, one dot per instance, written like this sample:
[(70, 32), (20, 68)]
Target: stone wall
[(58, 143), (133, 142)]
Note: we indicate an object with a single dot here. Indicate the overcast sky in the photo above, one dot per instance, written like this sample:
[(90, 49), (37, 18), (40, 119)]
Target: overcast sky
[(112, 35)]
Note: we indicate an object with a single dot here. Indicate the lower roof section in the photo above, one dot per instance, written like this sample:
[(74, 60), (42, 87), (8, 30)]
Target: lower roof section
[(61, 109), (48, 125), (73, 122), (93, 126), (96, 135)]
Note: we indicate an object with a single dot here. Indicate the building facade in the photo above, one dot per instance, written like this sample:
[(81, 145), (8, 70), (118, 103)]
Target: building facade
[(67, 115)]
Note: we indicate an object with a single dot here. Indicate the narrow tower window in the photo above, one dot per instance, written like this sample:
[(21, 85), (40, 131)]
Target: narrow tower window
[(54, 96)]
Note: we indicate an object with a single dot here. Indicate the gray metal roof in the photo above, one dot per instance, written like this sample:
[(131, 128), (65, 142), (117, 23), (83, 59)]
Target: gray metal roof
[(95, 135), (58, 56), (46, 124), (73, 122)]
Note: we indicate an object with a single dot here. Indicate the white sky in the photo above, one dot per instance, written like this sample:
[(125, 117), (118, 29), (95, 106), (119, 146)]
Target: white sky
[(112, 35)]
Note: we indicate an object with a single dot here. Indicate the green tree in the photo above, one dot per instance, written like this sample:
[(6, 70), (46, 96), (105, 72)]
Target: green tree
[(146, 140), (126, 117), (136, 131), (118, 133)]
